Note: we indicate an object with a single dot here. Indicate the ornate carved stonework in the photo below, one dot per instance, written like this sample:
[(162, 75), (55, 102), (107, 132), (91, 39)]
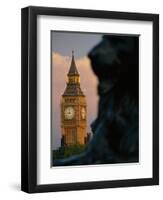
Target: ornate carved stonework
[(73, 109)]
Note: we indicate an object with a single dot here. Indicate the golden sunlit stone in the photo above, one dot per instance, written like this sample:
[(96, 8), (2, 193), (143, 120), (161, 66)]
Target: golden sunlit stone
[(73, 109)]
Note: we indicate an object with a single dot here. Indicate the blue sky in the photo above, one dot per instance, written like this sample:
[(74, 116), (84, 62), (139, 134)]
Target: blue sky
[(81, 43)]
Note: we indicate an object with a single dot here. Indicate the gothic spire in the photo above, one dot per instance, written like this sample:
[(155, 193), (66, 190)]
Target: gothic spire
[(73, 70)]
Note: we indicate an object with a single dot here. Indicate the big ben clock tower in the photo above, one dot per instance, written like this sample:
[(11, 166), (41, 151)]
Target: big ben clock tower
[(73, 109)]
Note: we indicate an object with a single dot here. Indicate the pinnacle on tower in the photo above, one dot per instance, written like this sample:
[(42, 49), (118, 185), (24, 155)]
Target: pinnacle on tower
[(73, 70)]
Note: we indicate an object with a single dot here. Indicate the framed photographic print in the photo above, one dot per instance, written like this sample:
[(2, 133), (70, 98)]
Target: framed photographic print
[(90, 99)]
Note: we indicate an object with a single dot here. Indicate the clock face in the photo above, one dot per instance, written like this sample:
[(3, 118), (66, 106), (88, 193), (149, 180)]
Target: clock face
[(69, 112), (83, 113)]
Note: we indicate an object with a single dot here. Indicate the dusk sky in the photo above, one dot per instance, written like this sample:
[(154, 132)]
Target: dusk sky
[(62, 45)]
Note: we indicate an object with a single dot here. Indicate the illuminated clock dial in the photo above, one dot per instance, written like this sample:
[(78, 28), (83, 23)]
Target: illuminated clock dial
[(83, 113), (69, 112)]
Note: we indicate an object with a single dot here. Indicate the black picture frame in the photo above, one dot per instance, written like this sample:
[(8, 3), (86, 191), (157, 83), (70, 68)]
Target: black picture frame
[(29, 99)]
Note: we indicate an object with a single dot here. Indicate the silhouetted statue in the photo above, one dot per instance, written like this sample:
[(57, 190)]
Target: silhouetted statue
[(115, 131)]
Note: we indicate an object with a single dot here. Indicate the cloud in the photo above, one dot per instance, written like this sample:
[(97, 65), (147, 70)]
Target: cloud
[(60, 67)]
